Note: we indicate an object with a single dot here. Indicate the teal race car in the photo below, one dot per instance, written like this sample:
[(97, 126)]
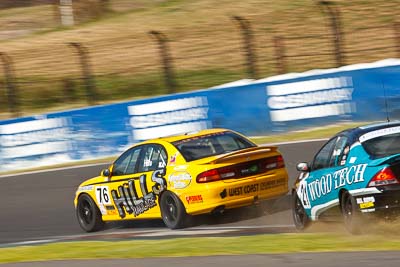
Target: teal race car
[(355, 173)]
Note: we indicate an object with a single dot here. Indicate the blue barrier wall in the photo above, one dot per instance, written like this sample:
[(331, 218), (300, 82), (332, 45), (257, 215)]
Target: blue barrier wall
[(271, 105)]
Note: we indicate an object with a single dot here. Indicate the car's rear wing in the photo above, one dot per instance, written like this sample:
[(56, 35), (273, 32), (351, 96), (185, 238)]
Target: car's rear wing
[(385, 160), (251, 153)]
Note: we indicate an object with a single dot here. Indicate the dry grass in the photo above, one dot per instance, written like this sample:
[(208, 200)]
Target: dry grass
[(205, 43)]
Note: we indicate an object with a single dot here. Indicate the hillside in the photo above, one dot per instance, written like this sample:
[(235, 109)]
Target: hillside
[(205, 45)]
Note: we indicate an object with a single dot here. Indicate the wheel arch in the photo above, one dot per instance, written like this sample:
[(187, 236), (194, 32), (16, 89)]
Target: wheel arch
[(96, 222), (179, 196), (88, 194)]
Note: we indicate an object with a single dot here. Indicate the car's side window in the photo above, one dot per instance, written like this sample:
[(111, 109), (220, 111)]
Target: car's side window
[(322, 159), (126, 163), (338, 157), (154, 158)]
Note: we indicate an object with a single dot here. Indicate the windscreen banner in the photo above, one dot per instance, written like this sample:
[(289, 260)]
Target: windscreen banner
[(365, 92)]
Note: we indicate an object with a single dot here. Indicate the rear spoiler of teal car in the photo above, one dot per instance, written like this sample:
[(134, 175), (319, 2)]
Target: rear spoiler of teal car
[(385, 160)]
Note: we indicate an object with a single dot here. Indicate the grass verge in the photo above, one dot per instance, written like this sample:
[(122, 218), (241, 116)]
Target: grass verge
[(307, 134), (200, 246)]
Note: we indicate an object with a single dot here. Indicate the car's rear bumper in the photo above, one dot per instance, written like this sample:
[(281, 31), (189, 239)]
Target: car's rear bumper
[(222, 195), (385, 201)]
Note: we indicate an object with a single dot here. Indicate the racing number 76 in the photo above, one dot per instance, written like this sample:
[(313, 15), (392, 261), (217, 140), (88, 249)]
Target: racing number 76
[(102, 194)]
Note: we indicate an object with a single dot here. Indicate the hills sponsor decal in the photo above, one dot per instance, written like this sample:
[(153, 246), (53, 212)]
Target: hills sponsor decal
[(126, 198)]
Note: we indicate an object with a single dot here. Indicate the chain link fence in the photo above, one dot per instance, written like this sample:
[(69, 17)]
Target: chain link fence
[(49, 73)]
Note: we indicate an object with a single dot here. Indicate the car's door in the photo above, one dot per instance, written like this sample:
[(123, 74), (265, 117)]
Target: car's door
[(115, 194), (135, 182), (319, 185), (151, 166)]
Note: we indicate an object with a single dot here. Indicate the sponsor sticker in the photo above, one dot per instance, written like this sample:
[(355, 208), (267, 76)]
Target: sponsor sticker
[(379, 133), (254, 188), (85, 188), (331, 181), (179, 180), (367, 205), (180, 168), (126, 197), (172, 160), (111, 210), (366, 202), (352, 160), (194, 199)]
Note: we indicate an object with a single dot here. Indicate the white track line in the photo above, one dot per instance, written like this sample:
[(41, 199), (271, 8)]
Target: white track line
[(52, 170), (196, 232)]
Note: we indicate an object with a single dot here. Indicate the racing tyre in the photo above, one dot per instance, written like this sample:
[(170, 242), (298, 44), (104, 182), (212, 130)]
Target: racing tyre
[(300, 217), (172, 211), (351, 214), (89, 216)]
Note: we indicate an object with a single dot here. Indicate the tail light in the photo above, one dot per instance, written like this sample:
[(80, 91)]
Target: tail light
[(216, 174), (208, 176), (274, 163), (383, 177), (241, 170)]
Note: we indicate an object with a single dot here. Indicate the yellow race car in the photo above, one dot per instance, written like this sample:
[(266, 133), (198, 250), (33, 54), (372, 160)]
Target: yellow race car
[(175, 177)]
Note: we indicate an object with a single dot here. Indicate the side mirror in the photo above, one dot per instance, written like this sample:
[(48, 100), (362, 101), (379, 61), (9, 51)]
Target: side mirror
[(105, 173), (303, 167)]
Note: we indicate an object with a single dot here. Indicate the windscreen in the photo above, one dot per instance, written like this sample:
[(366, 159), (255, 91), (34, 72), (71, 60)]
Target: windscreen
[(382, 146), (211, 144)]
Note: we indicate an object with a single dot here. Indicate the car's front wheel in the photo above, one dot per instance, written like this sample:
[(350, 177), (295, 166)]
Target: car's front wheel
[(351, 214), (89, 216), (300, 217), (172, 211)]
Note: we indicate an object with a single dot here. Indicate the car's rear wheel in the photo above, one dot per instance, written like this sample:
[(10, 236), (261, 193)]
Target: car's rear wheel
[(89, 216), (172, 211), (351, 214), (300, 217)]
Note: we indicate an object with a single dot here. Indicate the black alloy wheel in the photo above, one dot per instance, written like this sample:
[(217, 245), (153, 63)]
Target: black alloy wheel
[(89, 216), (351, 214), (172, 211), (300, 217)]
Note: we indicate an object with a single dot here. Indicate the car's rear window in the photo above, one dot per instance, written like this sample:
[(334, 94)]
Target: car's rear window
[(383, 146), (211, 144)]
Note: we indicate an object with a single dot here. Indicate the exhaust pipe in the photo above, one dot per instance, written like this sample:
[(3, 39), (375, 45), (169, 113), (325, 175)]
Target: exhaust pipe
[(218, 210)]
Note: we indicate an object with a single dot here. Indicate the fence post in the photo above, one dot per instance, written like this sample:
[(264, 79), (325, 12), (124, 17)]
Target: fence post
[(66, 12), (280, 55), (331, 10), (396, 28), (166, 60), (251, 57), (90, 85), (11, 87), (69, 89)]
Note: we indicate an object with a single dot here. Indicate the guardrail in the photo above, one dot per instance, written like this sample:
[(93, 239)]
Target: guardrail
[(275, 104)]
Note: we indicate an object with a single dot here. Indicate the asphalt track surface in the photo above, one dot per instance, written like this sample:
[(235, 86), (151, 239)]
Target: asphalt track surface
[(39, 205), (346, 259)]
